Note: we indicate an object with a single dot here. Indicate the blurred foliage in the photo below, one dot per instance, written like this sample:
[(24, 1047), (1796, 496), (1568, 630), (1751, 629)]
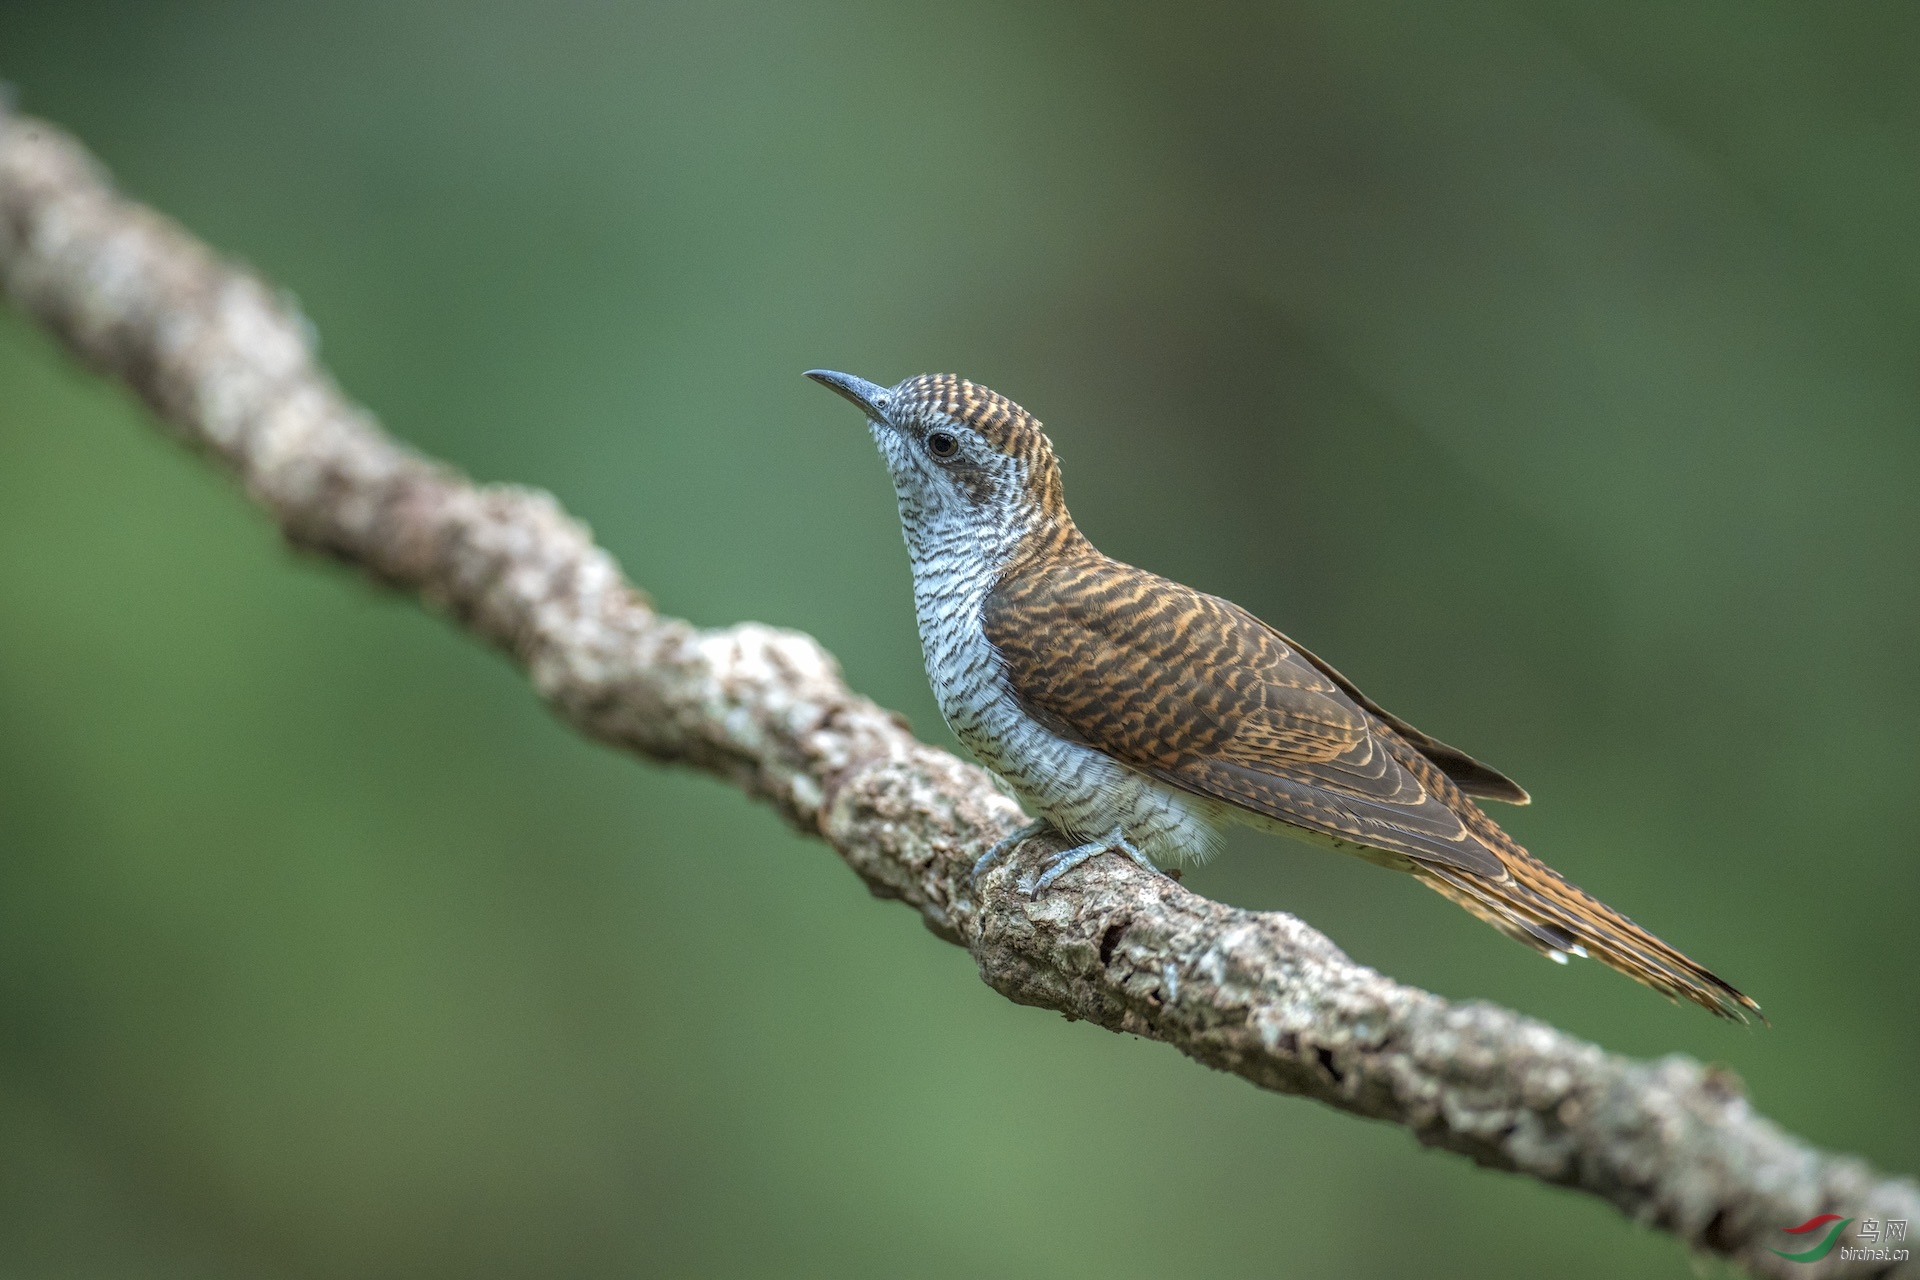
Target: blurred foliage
[(1547, 366)]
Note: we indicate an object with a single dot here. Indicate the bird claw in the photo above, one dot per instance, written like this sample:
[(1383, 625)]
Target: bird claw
[(1058, 864), (1002, 847)]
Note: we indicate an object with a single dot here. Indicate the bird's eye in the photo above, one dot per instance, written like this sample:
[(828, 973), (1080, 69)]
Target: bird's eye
[(942, 444)]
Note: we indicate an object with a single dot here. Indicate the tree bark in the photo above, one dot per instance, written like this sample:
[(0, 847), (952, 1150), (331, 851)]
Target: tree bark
[(227, 364)]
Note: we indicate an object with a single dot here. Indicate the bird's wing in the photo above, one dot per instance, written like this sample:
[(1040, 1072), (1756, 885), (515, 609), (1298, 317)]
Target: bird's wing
[(1197, 692), (1470, 775)]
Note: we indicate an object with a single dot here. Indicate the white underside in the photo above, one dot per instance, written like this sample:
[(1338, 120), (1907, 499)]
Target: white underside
[(1083, 792)]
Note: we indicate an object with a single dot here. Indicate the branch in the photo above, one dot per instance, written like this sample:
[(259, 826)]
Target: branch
[(226, 362)]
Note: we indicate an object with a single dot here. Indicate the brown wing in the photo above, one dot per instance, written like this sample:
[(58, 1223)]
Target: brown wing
[(1199, 693), (1472, 777)]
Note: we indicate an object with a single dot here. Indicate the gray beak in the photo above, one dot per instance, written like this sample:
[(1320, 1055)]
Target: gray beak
[(871, 397)]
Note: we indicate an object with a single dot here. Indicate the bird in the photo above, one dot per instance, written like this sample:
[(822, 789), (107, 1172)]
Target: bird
[(1136, 715)]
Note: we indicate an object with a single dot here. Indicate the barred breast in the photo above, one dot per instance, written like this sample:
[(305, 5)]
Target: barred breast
[(1083, 792)]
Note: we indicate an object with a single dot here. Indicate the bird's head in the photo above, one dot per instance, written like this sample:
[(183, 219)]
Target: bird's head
[(964, 459)]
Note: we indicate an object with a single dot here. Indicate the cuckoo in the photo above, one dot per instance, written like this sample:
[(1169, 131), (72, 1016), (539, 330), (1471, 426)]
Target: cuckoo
[(1135, 715)]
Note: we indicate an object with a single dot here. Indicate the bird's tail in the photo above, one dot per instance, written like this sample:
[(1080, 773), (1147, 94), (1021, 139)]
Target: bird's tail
[(1537, 906)]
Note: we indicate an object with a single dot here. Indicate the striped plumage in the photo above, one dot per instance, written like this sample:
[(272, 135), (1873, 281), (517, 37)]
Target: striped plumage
[(1134, 713)]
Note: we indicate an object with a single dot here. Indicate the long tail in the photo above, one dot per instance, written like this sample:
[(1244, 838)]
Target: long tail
[(1539, 907)]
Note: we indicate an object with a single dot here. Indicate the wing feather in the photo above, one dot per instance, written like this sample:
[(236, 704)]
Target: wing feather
[(1197, 692)]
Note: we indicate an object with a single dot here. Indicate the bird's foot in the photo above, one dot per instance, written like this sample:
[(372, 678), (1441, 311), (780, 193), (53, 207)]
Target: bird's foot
[(1060, 863), (1002, 847)]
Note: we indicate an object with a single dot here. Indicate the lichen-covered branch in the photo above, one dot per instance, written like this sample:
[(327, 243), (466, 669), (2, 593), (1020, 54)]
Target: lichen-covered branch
[(226, 363)]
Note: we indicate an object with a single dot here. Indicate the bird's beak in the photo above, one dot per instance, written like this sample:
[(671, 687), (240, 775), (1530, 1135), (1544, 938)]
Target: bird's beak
[(871, 397)]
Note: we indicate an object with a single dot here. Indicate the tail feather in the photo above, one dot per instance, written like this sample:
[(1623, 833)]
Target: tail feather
[(1536, 905)]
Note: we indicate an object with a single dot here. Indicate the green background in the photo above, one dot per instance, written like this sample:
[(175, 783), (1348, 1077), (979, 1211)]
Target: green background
[(1548, 367)]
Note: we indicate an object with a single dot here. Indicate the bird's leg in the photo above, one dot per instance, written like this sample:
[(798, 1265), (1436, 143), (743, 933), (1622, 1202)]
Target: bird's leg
[(1066, 860), (1002, 847)]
